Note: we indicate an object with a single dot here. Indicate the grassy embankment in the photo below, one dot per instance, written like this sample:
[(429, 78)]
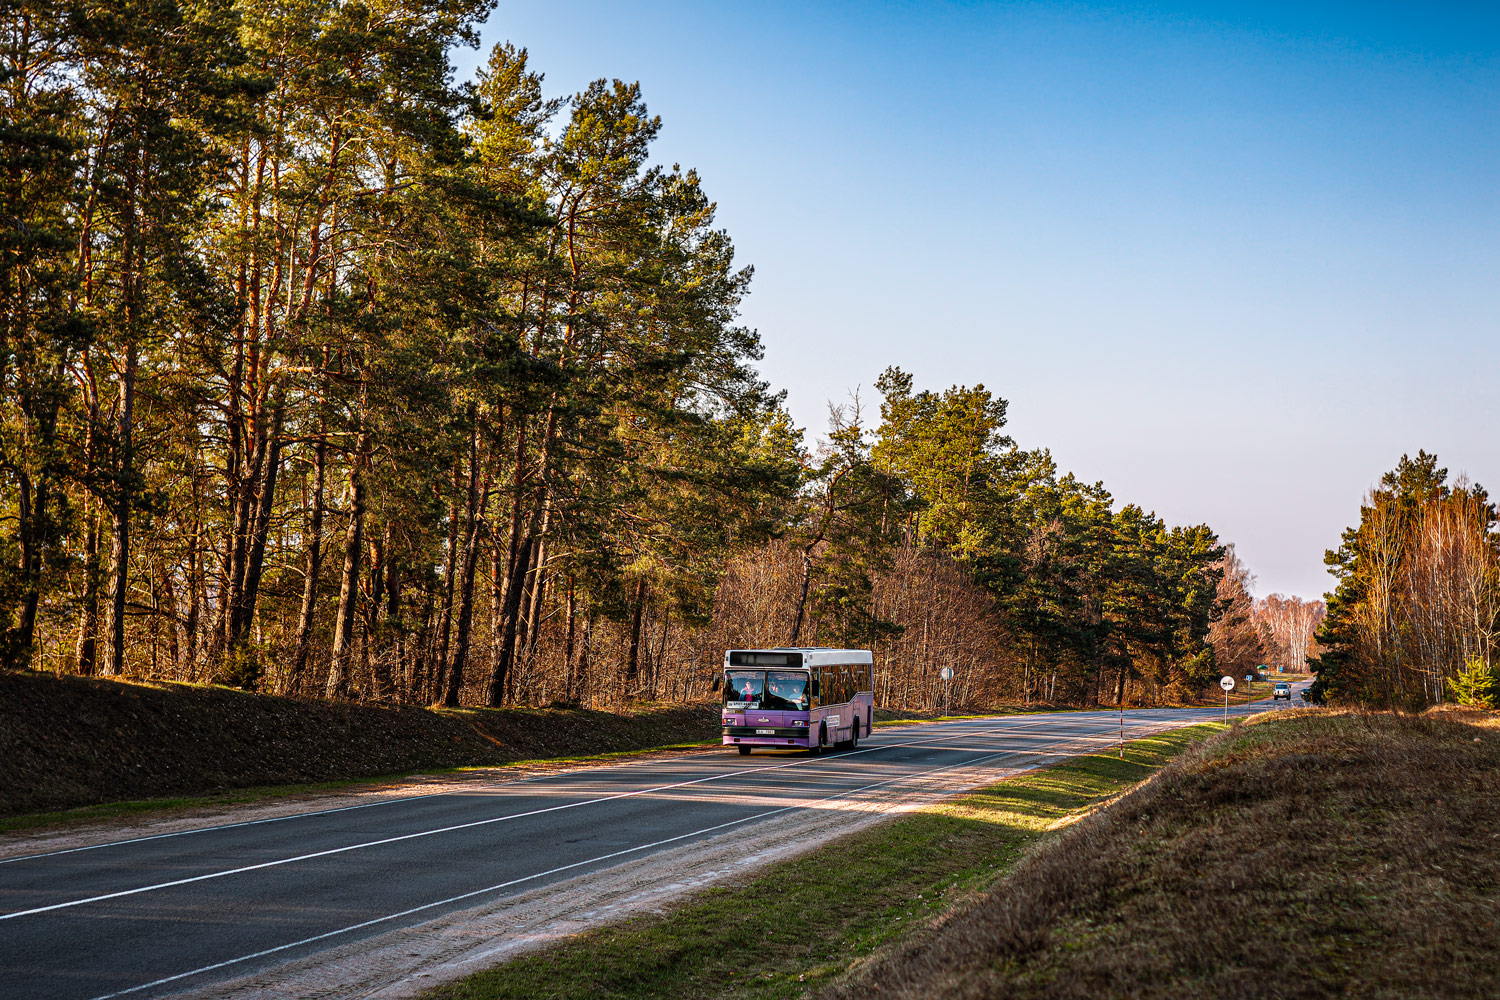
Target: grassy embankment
[(75, 750), (798, 925), (1306, 854)]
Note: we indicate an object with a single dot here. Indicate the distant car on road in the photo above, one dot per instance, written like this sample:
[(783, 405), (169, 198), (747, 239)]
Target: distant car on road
[(1283, 690)]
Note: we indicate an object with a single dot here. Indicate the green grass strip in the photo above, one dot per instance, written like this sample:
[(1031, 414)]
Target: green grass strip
[(800, 923)]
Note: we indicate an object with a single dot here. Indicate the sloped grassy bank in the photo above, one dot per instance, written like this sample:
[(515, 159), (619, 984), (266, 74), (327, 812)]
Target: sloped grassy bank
[(73, 741), (1303, 855)]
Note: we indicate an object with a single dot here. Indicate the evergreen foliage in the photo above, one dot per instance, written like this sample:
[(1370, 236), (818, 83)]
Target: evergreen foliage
[(1475, 685), (324, 374), (1418, 592)]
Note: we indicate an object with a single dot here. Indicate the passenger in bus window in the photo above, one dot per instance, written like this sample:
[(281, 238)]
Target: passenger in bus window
[(786, 691)]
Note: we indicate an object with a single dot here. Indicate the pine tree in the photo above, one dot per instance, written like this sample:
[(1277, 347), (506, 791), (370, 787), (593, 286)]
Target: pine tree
[(1476, 685), (41, 335)]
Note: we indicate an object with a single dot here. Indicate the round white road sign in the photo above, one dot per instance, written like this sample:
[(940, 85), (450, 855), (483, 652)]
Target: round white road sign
[(1226, 682), (946, 673)]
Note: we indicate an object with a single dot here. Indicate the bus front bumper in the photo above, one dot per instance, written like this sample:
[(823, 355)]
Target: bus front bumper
[(796, 736)]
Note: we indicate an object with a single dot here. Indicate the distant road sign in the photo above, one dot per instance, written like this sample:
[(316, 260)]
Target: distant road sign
[(1227, 683), (946, 673)]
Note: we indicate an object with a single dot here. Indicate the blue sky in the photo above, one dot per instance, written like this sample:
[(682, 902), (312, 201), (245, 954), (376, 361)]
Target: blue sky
[(1230, 259)]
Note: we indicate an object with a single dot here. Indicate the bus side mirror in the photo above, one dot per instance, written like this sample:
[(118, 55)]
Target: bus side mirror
[(717, 681), (815, 687)]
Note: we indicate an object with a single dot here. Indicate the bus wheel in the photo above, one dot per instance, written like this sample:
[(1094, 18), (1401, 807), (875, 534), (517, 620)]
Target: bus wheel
[(744, 750), (817, 747), (854, 738)]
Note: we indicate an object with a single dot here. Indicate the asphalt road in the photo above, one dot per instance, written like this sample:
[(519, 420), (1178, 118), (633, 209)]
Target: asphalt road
[(153, 916)]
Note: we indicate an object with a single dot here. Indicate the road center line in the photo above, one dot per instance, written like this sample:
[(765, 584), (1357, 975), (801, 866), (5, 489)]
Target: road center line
[(475, 823), (394, 800), (577, 864)]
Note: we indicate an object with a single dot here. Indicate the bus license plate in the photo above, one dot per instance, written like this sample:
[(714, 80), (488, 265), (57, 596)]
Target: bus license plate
[(765, 732)]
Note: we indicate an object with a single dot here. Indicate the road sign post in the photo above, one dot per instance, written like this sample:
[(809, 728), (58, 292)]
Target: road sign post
[(947, 675), (1227, 683), (1122, 721)]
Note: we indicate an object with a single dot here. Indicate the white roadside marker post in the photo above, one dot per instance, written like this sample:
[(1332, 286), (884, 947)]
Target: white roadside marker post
[(1227, 683)]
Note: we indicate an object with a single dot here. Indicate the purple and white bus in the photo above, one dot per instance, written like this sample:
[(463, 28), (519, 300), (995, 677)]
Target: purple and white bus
[(805, 697)]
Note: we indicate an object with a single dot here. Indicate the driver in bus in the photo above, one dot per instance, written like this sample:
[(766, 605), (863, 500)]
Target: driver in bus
[(749, 693)]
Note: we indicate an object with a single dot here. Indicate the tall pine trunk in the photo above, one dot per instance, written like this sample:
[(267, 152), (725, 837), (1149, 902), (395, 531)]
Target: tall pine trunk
[(522, 545), (443, 634), (538, 586), (187, 667), (801, 598), (633, 658), (119, 549), (510, 613), (568, 642), (344, 624), (474, 517), (313, 566), (17, 645), (260, 528)]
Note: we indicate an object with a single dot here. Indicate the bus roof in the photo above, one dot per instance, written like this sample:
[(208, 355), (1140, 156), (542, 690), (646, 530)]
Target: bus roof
[(814, 656)]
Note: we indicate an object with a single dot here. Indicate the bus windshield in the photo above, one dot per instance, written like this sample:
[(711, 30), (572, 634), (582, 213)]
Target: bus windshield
[(779, 690), (744, 688)]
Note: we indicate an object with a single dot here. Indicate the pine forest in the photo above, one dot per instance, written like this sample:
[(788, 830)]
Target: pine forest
[(326, 374)]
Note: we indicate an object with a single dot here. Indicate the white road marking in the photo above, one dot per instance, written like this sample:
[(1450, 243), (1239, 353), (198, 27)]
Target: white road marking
[(363, 805), (577, 864), (739, 773)]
